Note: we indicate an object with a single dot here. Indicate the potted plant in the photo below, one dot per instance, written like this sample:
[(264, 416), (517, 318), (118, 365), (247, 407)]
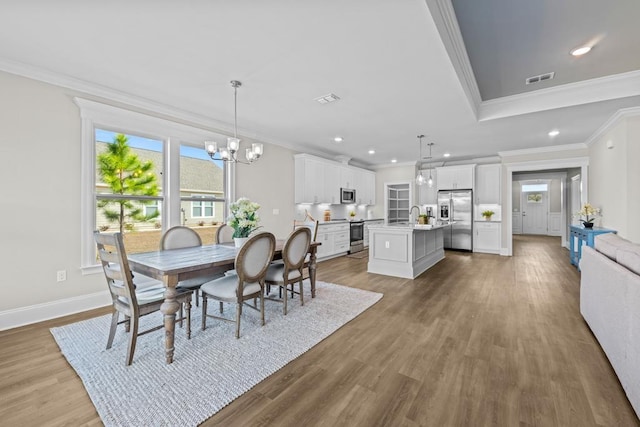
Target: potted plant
[(243, 219), (589, 213), (423, 219), (487, 214), (352, 214)]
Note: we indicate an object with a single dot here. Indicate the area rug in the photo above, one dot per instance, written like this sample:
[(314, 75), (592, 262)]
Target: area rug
[(210, 370)]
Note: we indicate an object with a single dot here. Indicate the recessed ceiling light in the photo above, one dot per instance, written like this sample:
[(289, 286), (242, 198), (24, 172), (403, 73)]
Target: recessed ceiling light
[(372, 151), (580, 50), (338, 139), (447, 154), (394, 160), (554, 132)]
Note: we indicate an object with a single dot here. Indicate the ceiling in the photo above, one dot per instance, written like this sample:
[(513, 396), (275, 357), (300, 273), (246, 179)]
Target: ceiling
[(399, 68)]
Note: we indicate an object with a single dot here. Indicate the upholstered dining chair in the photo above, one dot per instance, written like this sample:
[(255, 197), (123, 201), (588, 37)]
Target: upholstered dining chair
[(224, 234), (251, 264), (288, 273), (312, 224), (184, 237), (131, 300)]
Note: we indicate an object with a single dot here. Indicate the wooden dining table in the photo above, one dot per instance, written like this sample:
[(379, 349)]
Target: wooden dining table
[(174, 265)]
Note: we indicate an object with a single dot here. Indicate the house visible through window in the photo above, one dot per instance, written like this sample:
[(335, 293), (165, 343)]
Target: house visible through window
[(202, 208)]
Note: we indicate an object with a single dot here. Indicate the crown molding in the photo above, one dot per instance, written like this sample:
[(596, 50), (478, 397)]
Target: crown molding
[(584, 92), (444, 17), (542, 150), (613, 120), (117, 98)]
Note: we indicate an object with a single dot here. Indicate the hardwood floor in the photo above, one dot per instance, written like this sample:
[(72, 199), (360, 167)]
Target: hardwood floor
[(478, 340)]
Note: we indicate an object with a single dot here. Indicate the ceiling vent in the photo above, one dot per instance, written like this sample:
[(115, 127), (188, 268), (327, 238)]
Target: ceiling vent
[(540, 78), (327, 99)]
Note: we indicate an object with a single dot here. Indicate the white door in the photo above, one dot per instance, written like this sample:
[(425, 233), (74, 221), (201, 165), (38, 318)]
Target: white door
[(575, 199), (534, 212)]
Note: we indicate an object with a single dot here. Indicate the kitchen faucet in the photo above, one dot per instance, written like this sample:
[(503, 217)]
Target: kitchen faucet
[(411, 211)]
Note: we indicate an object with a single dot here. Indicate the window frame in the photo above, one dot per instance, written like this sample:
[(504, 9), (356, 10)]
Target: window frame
[(95, 115)]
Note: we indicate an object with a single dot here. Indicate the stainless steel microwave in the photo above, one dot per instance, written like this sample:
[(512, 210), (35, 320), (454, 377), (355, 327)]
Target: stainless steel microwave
[(347, 195)]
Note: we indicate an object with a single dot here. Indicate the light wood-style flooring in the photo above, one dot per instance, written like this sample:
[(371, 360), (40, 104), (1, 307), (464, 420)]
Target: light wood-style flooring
[(478, 340)]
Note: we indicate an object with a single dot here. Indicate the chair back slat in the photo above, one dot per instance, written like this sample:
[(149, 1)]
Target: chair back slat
[(309, 222), (113, 258)]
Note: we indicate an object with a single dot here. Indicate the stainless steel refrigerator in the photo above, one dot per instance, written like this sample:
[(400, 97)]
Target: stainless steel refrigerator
[(456, 206)]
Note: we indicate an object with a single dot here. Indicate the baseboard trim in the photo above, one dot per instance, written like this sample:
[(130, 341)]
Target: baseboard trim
[(504, 251), (22, 316)]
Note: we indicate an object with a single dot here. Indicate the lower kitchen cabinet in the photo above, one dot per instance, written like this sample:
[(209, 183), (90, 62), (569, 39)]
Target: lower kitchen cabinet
[(334, 239), (487, 237)]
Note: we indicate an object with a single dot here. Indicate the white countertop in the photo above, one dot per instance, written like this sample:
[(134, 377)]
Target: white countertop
[(410, 226)]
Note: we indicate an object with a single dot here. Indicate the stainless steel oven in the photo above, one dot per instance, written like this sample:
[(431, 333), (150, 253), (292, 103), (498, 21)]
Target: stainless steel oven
[(356, 236)]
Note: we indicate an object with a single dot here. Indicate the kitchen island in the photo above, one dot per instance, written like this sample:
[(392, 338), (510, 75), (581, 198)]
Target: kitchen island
[(404, 250)]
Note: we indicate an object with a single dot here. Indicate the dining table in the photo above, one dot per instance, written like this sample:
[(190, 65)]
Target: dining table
[(175, 265)]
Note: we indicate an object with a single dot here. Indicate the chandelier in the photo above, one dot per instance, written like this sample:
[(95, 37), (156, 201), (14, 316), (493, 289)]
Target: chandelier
[(420, 179), (230, 152)]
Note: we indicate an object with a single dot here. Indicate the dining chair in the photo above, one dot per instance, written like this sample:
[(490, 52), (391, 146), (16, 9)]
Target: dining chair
[(129, 299), (290, 272), (312, 224), (224, 234), (184, 237), (251, 264)]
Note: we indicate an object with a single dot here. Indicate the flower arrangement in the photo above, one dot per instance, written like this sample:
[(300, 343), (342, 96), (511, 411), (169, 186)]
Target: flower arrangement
[(589, 213), (244, 217)]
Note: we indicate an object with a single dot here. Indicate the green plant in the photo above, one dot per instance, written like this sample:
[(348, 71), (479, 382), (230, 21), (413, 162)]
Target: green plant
[(352, 214), (125, 174), (487, 213), (201, 223), (103, 227)]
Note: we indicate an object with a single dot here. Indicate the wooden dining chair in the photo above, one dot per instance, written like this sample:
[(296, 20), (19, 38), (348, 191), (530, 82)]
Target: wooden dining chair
[(127, 298), (251, 264), (184, 237), (224, 234), (312, 224), (288, 273)]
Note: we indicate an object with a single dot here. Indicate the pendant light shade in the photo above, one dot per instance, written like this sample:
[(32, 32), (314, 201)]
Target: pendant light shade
[(420, 179)]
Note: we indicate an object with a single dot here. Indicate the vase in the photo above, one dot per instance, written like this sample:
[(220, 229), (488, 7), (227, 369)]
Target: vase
[(587, 224), (239, 241)]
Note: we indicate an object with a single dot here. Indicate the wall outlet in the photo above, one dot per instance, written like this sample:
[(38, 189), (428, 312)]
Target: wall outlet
[(386, 245), (276, 211), (61, 275)]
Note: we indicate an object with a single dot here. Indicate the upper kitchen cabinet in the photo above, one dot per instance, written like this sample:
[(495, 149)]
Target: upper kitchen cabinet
[(318, 180), (309, 180), (455, 177), (488, 184)]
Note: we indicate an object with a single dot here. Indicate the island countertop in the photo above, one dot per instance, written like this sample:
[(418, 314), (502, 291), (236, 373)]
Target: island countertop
[(408, 226)]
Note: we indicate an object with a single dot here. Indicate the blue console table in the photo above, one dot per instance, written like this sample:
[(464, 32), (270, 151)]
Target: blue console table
[(580, 236)]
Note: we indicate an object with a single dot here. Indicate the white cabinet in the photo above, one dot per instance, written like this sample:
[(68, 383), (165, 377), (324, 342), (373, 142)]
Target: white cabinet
[(319, 180), (487, 238), (334, 239), (368, 224), (309, 181), (428, 195), (365, 186), (488, 184), (455, 177)]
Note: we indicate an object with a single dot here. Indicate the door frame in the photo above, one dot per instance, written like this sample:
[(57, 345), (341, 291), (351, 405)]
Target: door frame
[(535, 166), (546, 203)]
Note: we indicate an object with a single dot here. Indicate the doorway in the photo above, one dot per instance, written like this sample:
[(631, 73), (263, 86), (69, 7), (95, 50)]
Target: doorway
[(535, 206)]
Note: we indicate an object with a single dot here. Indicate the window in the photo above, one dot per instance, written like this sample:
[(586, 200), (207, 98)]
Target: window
[(203, 208), (171, 166), (526, 188)]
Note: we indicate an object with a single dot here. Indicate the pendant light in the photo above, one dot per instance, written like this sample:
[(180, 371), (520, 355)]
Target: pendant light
[(230, 152), (420, 179), (430, 180)]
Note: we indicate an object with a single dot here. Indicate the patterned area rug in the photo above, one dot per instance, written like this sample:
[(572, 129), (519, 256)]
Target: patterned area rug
[(210, 370)]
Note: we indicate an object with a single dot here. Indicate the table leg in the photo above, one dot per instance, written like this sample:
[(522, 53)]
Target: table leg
[(312, 271), (169, 308)]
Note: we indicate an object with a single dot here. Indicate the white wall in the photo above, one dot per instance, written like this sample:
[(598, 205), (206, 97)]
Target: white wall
[(402, 173), (40, 174), (614, 177)]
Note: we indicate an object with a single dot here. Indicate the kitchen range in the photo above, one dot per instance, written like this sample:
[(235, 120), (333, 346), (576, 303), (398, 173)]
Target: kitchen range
[(356, 236)]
